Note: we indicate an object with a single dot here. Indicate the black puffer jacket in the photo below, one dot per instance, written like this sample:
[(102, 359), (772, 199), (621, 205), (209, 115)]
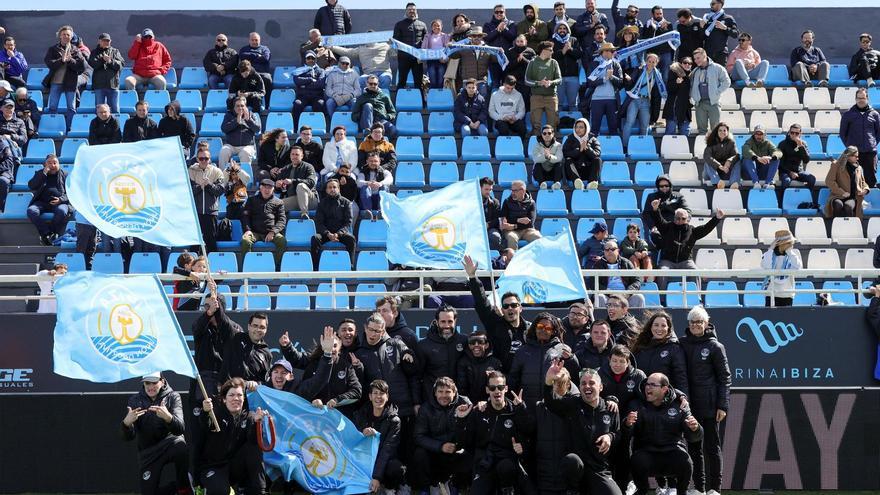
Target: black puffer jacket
[(589, 356), (384, 361), (302, 173), (333, 216), (271, 157), (571, 150), (669, 202), (209, 339), (632, 282), (625, 388), (678, 241), (106, 74), (625, 330), (438, 357), (402, 331), (489, 434), (388, 426), (14, 129), (342, 385), (570, 61), (708, 373), (154, 435), (571, 337), (225, 56), (503, 338), (435, 424), (74, 67), (870, 57), (104, 131), (180, 126), (662, 428), (138, 129), (530, 365), (213, 449), (252, 86), (512, 209), (678, 103), (667, 357), (471, 374), (585, 425), (245, 359), (263, 215)]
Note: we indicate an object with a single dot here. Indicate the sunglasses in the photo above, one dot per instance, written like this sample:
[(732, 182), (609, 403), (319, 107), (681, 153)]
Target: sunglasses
[(663, 186), (610, 249), (204, 159), (498, 12), (794, 133), (544, 326), (496, 388), (477, 342), (510, 305), (549, 133), (372, 85)]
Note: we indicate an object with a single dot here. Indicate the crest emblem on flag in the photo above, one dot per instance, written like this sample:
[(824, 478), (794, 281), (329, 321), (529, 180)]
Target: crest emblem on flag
[(123, 192), (438, 239), (116, 330)]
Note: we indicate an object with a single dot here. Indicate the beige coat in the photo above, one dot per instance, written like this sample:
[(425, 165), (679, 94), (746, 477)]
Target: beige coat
[(838, 180)]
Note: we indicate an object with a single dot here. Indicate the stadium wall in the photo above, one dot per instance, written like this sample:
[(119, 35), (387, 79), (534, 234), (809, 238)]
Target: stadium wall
[(804, 413), (189, 34)]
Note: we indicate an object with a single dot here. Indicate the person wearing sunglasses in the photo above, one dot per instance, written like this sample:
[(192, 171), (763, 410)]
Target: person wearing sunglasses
[(679, 237), (795, 155), (669, 202), (474, 365), (208, 184), (677, 110), (220, 63), (577, 323), (718, 26), (865, 63), (623, 276), (745, 64), (621, 380), (372, 106), (629, 17)]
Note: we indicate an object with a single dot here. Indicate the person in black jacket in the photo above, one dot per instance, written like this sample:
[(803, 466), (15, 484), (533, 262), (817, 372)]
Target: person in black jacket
[(567, 53), (12, 127), (677, 110), (65, 62), (437, 457), (496, 432), (438, 353), (247, 84), (669, 202), (229, 457), (505, 326), (474, 365), (492, 212), (380, 416), (264, 219), (332, 223), (594, 350), (342, 387), (280, 376), (411, 31), (519, 56), (624, 326), (332, 19), (395, 322), (107, 62), (657, 428), (155, 419), (208, 184), (693, 36), (623, 277), (49, 196), (26, 109), (657, 350), (297, 182), (583, 156), (677, 238), (141, 126), (273, 155), (540, 348), (594, 426), (175, 124), (246, 355), (220, 63), (211, 331), (709, 382), (104, 128), (576, 324), (621, 380), (313, 150)]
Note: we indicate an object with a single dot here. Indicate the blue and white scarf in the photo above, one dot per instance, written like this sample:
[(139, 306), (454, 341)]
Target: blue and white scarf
[(657, 78), (423, 54), (357, 38), (710, 19), (600, 69)]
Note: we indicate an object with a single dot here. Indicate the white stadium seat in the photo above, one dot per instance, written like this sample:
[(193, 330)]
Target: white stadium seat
[(797, 117), (819, 169), (738, 232), (711, 238), (786, 99), (728, 200), (768, 119), (827, 121), (753, 99), (767, 228), (696, 200), (845, 98), (848, 230), (857, 258), (684, 173), (822, 259), (818, 99), (675, 148), (873, 229), (746, 259), (728, 100), (810, 231), (736, 120), (711, 259)]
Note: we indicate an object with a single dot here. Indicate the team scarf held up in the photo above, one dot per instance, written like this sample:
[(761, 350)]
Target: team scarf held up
[(423, 54), (635, 93), (672, 37), (710, 19)]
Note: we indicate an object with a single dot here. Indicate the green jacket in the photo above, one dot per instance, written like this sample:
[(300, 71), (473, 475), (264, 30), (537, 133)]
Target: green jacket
[(383, 108), (752, 149), (539, 69)]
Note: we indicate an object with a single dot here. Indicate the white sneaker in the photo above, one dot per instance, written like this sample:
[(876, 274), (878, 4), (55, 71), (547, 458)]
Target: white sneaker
[(870, 82), (770, 185), (660, 491), (671, 491), (593, 185), (578, 184), (693, 491), (713, 492), (760, 184), (543, 185), (631, 488), (556, 186), (733, 185), (389, 491)]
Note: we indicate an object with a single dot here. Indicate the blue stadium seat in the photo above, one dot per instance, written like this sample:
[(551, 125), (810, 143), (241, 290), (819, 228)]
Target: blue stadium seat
[(763, 202), (848, 299), (158, 98), (755, 300), (408, 100), (866, 285), (478, 170), (299, 232), (873, 198), (792, 197), (530, 145), (440, 100), (621, 202), (553, 226), (678, 300), (86, 102), (35, 78), (79, 125), (298, 302), (342, 119), (107, 263), (410, 123), (646, 173), (509, 148), (824, 194), (281, 100), (283, 77), (262, 261), (839, 76), (223, 261), (123, 118), (777, 76), (804, 298), (296, 261), (371, 261), (441, 124), (327, 301), (410, 148), (814, 144), (406, 193), (316, 120), (69, 148), (37, 150), (612, 148), (586, 202), (511, 171), (226, 292), (145, 263), (235, 241), (641, 148), (216, 100), (75, 261), (721, 300), (475, 148), (372, 234), (834, 148), (172, 261), (620, 225), (23, 175), (211, 122), (367, 301), (615, 173), (128, 98), (410, 174), (190, 101), (874, 94), (16, 206), (258, 298), (441, 148), (52, 126), (740, 140), (443, 173), (283, 120), (652, 300), (193, 78), (584, 225), (551, 203)]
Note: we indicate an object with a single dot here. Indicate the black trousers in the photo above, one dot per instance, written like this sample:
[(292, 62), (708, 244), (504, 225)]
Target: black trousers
[(868, 161), (318, 241), (586, 480), (87, 242), (151, 473), (300, 104), (587, 171), (843, 208), (504, 128), (675, 463), (620, 464), (393, 475), (244, 471), (208, 224), (778, 301), (553, 175), (428, 468), (490, 476), (864, 71), (405, 64), (706, 456)]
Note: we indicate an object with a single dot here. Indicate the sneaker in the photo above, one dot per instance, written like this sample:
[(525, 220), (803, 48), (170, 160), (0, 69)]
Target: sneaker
[(870, 82), (671, 491), (760, 83), (734, 185), (578, 184), (809, 84), (713, 492), (822, 84), (304, 215), (660, 491), (770, 185), (630, 488), (749, 84), (557, 186), (721, 185), (693, 491), (593, 185), (760, 185), (543, 185)]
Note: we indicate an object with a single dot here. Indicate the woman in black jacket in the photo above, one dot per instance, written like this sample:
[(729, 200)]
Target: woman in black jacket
[(583, 156), (657, 350), (709, 381), (677, 111), (567, 53), (274, 154), (380, 416), (175, 124), (519, 56)]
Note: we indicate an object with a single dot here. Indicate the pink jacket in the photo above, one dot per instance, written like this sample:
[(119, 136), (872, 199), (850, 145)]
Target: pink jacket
[(750, 57), (435, 41)]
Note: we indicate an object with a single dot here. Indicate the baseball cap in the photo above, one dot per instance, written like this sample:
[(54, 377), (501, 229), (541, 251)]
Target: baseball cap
[(152, 377), (310, 54), (344, 60), (759, 128), (147, 32), (599, 227), (5, 85), (7, 103), (104, 36), (267, 182), (284, 364)]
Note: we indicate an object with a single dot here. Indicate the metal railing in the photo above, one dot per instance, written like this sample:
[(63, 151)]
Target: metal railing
[(424, 275)]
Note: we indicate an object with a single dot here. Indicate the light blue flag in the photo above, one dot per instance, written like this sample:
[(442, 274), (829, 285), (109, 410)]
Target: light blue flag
[(318, 448), (545, 270), (436, 229), (136, 189), (111, 328), (357, 38)]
